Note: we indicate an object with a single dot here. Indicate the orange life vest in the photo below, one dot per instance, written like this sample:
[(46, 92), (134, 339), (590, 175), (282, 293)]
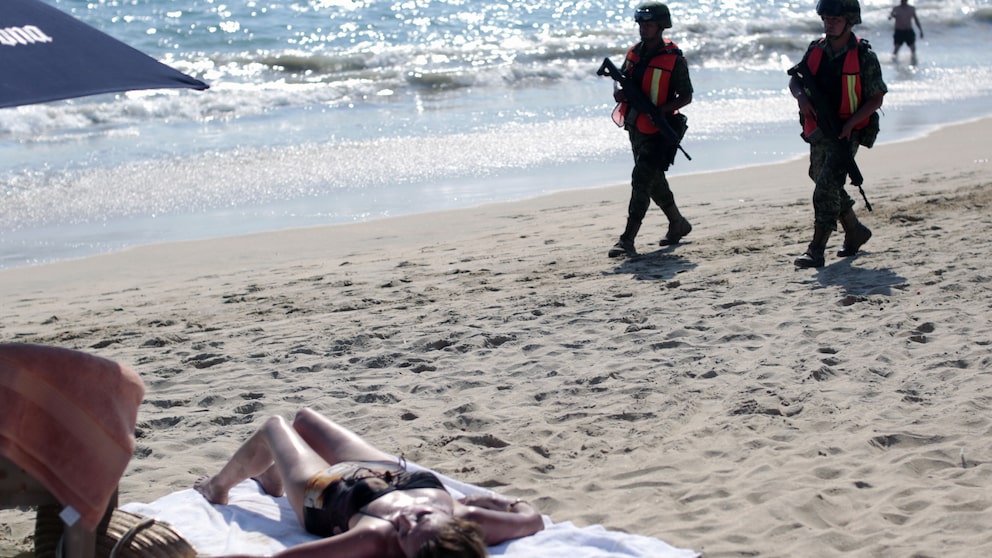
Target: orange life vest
[(850, 85), (657, 76)]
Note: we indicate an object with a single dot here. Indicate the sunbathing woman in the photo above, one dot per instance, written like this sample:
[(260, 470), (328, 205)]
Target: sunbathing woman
[(364, 502)]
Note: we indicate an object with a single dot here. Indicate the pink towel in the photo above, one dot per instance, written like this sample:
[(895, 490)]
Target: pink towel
[(67, 418)]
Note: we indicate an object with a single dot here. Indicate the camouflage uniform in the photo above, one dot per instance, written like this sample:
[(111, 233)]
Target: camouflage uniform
[(827, 161), (653, 154)]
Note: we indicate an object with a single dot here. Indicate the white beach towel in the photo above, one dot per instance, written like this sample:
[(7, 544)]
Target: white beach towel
[(258, 524)]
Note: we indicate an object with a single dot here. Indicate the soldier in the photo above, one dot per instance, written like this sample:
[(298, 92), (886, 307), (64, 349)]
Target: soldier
[(660, 67), (848, 74)]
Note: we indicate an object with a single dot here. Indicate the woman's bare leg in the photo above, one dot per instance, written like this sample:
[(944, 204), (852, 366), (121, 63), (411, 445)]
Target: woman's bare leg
[(277, 445), (271, 481), (334, 442)]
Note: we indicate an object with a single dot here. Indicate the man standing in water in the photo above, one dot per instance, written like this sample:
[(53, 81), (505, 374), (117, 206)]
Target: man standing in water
[(847, 79), (661, 69), (905, 15)]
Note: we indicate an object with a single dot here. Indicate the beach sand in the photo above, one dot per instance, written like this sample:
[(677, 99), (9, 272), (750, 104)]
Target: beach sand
[(710, 394)]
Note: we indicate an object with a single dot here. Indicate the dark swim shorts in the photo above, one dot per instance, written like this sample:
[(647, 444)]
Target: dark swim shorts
[(907, 36)]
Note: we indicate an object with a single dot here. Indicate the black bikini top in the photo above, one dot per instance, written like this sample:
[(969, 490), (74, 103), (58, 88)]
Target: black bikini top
[(345, 497)]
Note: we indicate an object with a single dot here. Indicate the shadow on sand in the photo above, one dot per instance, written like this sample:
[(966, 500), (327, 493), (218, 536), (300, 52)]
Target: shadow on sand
[(858, 280), (659, 265)]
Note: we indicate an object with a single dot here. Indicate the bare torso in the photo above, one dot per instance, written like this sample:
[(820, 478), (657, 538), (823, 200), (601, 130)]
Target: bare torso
[(904, 16)]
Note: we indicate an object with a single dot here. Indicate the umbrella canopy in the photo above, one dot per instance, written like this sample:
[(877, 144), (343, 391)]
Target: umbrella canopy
[(47, 55)]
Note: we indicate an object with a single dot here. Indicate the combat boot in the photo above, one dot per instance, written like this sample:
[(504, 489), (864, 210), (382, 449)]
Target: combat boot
[(625, 246), (678, 226), (855, 234), (814, 252)]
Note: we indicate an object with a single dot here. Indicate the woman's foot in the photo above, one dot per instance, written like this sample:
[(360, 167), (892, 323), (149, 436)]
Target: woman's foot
[(205, 486)]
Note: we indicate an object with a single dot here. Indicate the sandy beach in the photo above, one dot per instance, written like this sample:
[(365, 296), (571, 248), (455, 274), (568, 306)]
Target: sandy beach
[(708, 394)]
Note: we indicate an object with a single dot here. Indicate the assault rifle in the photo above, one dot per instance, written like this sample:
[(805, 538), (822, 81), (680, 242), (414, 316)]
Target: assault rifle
[(641, 102), (829, 123)]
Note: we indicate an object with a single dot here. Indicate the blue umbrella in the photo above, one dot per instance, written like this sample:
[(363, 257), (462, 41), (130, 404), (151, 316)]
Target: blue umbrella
[(47, 55)]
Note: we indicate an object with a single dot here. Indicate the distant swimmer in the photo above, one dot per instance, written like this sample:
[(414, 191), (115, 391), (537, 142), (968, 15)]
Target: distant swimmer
[(905, 15)]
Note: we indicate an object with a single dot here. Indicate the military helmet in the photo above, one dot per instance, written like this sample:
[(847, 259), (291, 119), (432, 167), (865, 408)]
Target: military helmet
[(849, 9), (656, 12)]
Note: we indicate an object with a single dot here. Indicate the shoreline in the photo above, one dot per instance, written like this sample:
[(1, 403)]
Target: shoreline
[(80, 241), (687, 187), (752, 409)]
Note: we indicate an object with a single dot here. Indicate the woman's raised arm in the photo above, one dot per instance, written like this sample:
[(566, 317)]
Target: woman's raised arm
[(501, 518)]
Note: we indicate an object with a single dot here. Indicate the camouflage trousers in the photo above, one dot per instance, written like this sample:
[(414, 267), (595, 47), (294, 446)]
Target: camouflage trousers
[(828, 169), (652, 157)]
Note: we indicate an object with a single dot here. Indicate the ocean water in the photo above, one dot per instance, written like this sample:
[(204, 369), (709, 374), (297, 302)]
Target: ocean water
[(336, 111)]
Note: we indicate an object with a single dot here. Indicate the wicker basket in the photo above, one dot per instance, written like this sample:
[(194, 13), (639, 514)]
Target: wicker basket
[(48, 529), (130, 535), (126, 535)]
